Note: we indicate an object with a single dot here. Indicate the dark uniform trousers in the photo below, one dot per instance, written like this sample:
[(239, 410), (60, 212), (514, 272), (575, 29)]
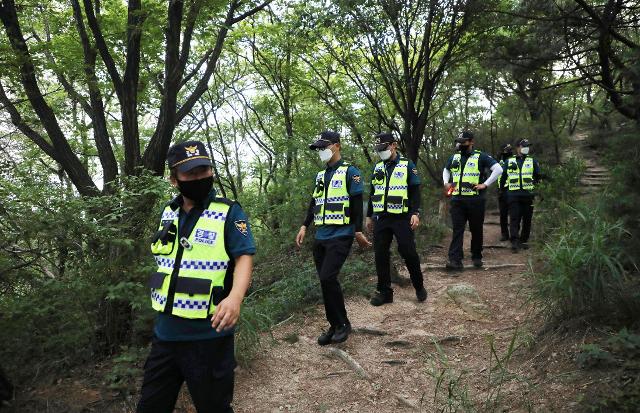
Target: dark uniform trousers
[(207, 367), (464, 210), (503, 206), (329, 255), (386, 226), (520, 209)]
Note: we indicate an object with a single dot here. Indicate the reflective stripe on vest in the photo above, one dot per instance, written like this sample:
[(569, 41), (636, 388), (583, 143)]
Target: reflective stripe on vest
[(332, 202), (470, 175), (520, 178), (391, 194), (202, 269)]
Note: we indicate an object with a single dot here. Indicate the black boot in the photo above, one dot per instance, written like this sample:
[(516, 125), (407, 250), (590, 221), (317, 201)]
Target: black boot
[(325, 338), (504, 238), (421, 294), (381, 298), (477, 262), (454, 265), (342, 333), (515, 246)]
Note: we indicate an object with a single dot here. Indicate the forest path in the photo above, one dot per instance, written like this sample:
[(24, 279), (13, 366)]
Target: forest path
[(463, 313)]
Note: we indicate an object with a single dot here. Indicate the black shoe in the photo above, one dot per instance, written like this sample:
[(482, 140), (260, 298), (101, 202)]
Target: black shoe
[(380, 298), (504, 238), (342, 333), (515, 246), (421, 294), (477, 262), (454, 265), (325, 338), (524, 245)]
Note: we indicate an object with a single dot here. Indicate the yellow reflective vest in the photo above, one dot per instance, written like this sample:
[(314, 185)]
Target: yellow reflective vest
[(190, 279), (332, 198), (391, 194), (520, 178), (469, 176)]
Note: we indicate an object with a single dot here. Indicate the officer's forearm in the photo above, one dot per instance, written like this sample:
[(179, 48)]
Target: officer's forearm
[(414, 198), (308, 219), (355, 208), (241, 276)]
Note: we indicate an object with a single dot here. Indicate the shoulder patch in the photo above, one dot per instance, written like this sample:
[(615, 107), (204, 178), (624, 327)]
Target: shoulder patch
[(241, 226), (356, 178), (414, 171)]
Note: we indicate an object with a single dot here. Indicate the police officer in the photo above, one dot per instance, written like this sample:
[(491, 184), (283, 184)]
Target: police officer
[(203, 249), (462, 172), (336, 210), (520, 178), (503, 206), (394, 210)]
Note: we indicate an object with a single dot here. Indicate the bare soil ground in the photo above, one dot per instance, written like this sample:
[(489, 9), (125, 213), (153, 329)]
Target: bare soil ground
[(297, 375)]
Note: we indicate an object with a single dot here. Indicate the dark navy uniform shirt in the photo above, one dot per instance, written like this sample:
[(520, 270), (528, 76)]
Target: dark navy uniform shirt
[(171, 328), (354, 187), (505, 175), (413, 186), (485, 162)]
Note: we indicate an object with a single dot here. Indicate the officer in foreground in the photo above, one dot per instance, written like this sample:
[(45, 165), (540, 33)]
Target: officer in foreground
[(203, 249), (503, 205), (461, 174), (394, 210), (520, 178), (336, 210)]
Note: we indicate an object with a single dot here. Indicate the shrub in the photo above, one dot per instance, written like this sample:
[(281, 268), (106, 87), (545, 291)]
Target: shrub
[(582, 273)]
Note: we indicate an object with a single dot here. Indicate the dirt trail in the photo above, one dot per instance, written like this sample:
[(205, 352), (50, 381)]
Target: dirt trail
[(541, 375), (303, 377), (595, 176)]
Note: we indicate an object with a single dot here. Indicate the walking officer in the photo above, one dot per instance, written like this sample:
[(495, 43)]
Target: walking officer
[(394, 210), (203, 249), (503, 206), (520, 178), (336, 210), (462, 172)]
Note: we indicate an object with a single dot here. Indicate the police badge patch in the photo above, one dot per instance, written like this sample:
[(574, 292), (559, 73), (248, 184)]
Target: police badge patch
[(356, 178), (336, 184), (398, 174), (191, 151), (241, 226)]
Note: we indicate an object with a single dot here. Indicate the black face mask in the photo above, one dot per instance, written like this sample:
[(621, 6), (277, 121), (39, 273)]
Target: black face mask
[(464, 148), (196, 190)]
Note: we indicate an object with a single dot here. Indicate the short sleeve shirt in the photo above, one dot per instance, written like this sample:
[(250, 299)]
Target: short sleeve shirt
[(485, 161), (354, 187), (238, 241)]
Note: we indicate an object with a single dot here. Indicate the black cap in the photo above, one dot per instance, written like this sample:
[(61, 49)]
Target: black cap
[(383, 140), (464, 136), (507, 147), (187, 155), (524, 142), (325, 139)]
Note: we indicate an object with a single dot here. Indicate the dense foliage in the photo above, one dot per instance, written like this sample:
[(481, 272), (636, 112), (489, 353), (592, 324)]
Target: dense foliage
[(93, 94)]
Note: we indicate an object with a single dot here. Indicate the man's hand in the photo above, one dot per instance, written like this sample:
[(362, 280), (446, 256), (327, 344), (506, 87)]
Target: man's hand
[(362, 240), (447, 186), (227, 313), (415, 221), (300, 236), (480, 187), (369, 224)]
